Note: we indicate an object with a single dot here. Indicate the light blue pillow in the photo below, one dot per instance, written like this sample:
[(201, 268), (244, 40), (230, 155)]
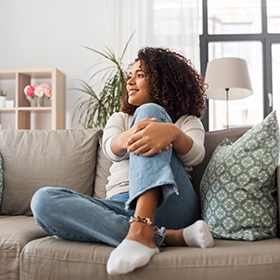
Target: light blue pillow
[(238, 190)]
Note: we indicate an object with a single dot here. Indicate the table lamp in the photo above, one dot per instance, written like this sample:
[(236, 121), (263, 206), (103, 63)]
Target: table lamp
[(228, 79)]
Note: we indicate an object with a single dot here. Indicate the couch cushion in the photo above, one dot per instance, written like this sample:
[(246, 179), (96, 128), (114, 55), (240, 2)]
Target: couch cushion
[(15, 233), (57, 259), (39, 158), (101, 173), (1, 179), (238, 191)]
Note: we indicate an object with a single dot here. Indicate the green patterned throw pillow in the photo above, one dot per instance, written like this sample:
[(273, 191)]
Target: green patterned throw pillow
[(238, 191), (1, 179)]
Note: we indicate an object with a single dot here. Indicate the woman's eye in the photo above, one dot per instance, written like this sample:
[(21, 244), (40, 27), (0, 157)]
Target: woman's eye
[(140, 75)]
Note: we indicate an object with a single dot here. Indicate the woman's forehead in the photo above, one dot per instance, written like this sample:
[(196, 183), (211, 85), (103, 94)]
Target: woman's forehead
[(138, 65)]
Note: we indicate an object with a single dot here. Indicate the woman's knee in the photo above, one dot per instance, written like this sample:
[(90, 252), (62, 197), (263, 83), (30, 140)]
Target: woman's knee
[(41, 200), (152, 110)]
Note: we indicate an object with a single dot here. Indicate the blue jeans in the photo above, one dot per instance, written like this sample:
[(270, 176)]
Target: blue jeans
[(73, 216)]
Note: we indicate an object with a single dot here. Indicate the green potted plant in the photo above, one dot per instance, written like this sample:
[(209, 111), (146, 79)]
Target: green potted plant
[(95, 111), (2, 98)]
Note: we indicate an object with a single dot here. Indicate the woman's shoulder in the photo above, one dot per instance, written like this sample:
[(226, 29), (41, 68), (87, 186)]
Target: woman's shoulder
[(121, 117), (189, 120)]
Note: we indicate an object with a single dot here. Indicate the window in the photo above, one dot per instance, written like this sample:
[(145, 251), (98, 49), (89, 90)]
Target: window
[(275, 77), (236, 14), (273, 18), (242, 112), (247, 29)]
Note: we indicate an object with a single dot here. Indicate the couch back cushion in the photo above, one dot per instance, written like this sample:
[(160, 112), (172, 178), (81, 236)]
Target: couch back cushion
[(39, 158), (102, 172), (212, 140), (1, 179)]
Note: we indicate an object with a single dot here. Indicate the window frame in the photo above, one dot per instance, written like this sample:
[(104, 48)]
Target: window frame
[(266, 39)]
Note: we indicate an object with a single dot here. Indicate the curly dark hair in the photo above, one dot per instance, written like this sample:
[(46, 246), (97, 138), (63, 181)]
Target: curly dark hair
[(174, 83)]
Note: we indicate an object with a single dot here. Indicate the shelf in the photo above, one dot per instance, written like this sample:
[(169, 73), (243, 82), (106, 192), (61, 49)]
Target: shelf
[(35, 109), (7, 109), (7, 75), (24, 115)]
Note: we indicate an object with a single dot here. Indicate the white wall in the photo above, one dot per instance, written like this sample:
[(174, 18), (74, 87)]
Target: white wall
[(40, 33)]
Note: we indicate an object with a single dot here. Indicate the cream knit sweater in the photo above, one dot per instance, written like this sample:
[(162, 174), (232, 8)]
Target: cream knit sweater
[(118, 181)]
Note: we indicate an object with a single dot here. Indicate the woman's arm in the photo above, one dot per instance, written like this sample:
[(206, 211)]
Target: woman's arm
[(148, 137), (118, 124), (151, 137), (120, 144)]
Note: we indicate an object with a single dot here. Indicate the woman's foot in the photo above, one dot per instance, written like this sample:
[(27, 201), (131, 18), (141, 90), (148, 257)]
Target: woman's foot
[(128, 256), (138, 247), (195, 235), (198, 235), (135, 251)]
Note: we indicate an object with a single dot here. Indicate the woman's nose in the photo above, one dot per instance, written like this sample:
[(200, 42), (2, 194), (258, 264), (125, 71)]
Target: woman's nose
[(130, 81)]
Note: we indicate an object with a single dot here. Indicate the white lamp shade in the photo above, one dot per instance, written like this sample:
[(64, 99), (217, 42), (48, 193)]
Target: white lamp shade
[(231, 73)]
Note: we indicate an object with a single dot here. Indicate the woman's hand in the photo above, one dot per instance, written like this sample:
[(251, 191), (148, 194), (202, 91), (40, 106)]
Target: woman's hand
[(119, 144), (150, 137)]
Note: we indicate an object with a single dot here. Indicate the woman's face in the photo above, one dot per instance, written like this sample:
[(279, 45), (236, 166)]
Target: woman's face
[(137, 85)]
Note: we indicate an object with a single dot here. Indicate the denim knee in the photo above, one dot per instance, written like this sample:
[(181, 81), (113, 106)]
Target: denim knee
[(152, 110), (150, 107), (41, 200)]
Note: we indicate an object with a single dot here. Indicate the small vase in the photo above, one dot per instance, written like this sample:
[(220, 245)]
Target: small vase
[(2, 101), (40, 102)]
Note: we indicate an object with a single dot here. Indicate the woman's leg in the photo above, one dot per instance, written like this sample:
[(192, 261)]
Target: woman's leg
[(146, 173), (150, 183), (154, 194), (175, 196), (74, 216), (186, 229)]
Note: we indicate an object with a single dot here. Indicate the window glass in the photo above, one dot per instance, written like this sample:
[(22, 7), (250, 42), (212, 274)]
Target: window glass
[(242, 112), (273, 16), (172, 17), (171, 26), (243, 16), (200, 28), (275, 77)]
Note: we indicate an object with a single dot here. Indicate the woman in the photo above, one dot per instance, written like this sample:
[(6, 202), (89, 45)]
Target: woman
[(153, 142)]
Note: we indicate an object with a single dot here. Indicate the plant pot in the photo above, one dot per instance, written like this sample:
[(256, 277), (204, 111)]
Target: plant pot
[(2, 101)]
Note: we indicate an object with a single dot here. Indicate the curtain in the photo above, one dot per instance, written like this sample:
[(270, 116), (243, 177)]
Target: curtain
[(159, 23)]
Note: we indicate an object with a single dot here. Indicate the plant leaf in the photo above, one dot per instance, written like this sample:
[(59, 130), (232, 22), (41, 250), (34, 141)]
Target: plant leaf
[(96, 110)]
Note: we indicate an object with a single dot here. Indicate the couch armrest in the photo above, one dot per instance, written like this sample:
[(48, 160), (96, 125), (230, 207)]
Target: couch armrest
[(278, 195)]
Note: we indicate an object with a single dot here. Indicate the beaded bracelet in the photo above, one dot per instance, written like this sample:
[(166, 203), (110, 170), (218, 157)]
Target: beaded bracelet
[(145, 221)]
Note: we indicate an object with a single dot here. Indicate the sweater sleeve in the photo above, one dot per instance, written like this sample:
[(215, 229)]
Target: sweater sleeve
[(193, 127), (115, 126)]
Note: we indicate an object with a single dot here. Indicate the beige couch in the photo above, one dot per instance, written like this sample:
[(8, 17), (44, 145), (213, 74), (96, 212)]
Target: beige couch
[(73, 159)]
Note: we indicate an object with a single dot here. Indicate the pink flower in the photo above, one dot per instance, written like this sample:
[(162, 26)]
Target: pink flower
[(48, 92), (29, 90), (39, 91)]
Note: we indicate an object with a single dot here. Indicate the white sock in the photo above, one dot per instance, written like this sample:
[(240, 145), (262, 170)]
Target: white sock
[(128, 256), (198, 235)]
